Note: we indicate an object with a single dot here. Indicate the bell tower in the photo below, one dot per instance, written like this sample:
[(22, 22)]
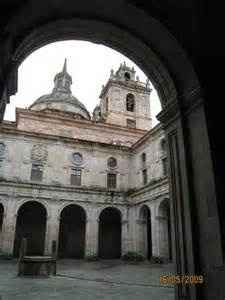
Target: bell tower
[(125, 100)]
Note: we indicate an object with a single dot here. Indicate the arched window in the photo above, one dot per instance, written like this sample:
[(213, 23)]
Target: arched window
[(127, 76), (130, 102)]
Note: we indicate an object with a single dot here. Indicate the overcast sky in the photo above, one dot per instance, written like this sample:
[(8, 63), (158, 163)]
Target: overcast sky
[(89, 65)]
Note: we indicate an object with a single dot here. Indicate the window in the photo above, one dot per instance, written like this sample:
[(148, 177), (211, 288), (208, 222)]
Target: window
[(111, 180), (143, 159), (112, 163), (144, 176), (127, 76), (131, 123), (36, 172), (130, 102), (107, 104), (165, 166), (76, 177)]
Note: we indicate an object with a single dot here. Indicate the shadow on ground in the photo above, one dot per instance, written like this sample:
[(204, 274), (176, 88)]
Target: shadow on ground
[(78, 279)]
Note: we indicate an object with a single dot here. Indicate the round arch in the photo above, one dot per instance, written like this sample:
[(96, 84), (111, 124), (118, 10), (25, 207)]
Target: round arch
[(31, 224), (72, 232), (99, 211), (149, 58), (61, 208), (111, 36), (149, 46), (109, 238), (43, 203)]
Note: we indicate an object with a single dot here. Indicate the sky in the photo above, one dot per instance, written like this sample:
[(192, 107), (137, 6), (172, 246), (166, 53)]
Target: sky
[(89, 65)]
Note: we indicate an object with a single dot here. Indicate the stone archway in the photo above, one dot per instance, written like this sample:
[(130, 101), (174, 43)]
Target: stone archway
[(164, 220), (72, 231), (145, 232), (109, 238), (183, 119), (31, 224)]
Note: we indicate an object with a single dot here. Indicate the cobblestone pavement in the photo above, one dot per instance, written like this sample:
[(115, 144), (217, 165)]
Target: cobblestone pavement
[(82, 280)]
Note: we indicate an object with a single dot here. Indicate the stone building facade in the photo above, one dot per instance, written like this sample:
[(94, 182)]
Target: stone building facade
[(96, 185)]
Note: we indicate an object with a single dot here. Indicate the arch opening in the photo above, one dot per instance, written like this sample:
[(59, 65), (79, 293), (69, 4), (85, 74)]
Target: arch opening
[(72, 232), (31, 224), (109, 234), (145, 232), (141, 54), (165, 244)]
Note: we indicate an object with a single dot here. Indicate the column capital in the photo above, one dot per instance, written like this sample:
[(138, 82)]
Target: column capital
[(185, 103)]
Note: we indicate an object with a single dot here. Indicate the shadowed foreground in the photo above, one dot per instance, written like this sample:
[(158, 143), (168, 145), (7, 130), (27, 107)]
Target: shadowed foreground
[(77, 279)]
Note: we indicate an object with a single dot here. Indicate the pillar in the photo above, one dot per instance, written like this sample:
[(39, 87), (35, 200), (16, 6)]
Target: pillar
[(52, 232), (194, 214), (154, 227), (8, 231), (91, 238), (124, 236)]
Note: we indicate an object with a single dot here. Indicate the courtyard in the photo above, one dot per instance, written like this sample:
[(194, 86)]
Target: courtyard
[(79, 279)]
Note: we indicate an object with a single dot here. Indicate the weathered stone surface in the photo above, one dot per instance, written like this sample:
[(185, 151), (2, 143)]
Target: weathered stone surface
[(51, 138)]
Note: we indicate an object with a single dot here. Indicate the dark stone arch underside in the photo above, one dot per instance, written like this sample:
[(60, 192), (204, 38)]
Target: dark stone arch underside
[(31, 224), (110, 234), (72, 232)]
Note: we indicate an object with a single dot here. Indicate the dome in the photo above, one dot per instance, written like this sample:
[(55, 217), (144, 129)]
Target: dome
[(61, 98)]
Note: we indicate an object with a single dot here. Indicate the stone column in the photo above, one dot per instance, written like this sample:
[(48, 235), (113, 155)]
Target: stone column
[(154, 229), (163, 236), (52, 233), (91, 237), (8, 231), (195, 224), (1, 232), (132, 231), (141, 236), (124, 236)]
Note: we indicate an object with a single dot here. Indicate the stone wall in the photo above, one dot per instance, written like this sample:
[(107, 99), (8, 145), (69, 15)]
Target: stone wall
[(53, 124), (57, 169), (150, 144), (55, 191)]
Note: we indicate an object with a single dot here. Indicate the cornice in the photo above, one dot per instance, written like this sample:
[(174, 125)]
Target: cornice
[(131, 85), (46, 116), (57, 138)]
